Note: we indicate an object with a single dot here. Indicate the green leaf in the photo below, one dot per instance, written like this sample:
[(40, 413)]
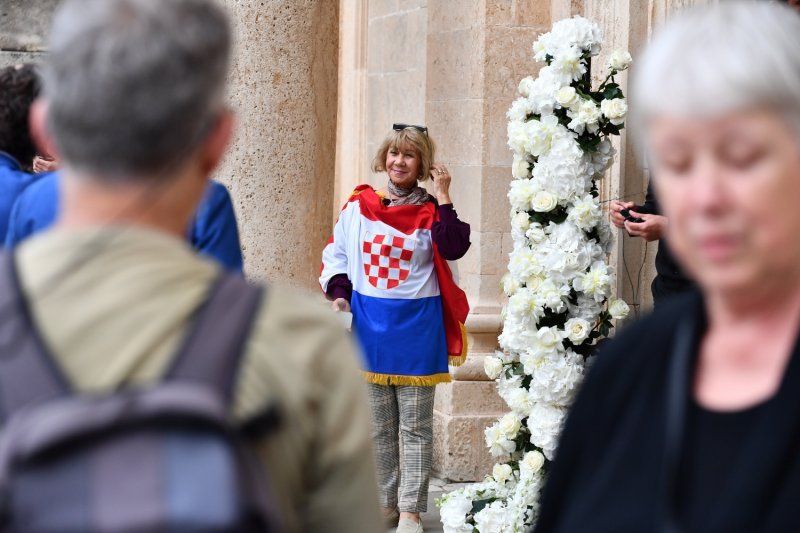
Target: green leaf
[(612, 91), (480, 505)]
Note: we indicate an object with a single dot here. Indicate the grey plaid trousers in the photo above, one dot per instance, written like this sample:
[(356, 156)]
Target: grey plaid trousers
[(407, 411)]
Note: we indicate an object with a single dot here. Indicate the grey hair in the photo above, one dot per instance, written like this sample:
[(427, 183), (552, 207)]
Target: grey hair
[(713, 60), (135, 86)]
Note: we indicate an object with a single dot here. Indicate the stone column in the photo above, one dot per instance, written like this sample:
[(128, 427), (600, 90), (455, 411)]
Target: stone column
[(281, 168), (477, 54)]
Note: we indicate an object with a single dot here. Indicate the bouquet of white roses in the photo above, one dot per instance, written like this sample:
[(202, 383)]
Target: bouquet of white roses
[(558, 282)]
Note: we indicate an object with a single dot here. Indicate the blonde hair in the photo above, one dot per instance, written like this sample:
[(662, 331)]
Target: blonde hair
[(408, 138)]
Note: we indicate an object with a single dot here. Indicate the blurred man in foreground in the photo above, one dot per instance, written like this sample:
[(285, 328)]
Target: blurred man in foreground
[(134, 106)]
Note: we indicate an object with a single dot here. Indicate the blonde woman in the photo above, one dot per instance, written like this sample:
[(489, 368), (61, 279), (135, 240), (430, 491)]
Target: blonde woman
[(386, 262)]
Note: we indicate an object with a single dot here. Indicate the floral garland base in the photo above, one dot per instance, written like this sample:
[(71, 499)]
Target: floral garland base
[(558, 282)]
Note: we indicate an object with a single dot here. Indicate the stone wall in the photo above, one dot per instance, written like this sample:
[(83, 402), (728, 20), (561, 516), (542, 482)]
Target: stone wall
[(23, 30)]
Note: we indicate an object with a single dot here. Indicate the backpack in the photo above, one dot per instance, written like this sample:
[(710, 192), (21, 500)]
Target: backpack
[(166, 457)]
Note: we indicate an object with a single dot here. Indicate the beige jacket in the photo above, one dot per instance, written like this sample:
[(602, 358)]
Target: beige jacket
[(113, 304)]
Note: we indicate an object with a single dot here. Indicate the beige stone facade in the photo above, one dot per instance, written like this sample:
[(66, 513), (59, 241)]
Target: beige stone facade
[(318, 83), (463, 60)]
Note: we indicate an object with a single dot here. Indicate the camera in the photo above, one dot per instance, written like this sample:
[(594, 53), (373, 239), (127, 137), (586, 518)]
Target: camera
[(626, 214)]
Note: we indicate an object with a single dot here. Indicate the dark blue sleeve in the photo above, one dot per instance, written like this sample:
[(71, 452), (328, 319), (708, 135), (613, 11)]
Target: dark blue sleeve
[(35, 210), (215, 233), (450, 234)]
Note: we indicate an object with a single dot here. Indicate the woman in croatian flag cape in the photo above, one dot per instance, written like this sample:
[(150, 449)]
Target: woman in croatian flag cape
[(387, 263)]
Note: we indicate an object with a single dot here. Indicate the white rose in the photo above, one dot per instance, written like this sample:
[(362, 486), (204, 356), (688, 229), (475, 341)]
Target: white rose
[(519, 110), (553, 295), (584, 115), (534, 282), (567, 96), (492, 366), (618, 309), (520, 168), (492, 518), (548, 341), (569, 64), (595, 283), (518, 400), (533, 461), (619, 60), (577, 330), (521, 194), (544, 202), (539, 52), (535, 233), (525, 86), (454, 513), (509, 284), (501, 473), (585, 212), (544, 424), (521, 221), (497, 442), (509, 425), (615, 110), (524, 306)]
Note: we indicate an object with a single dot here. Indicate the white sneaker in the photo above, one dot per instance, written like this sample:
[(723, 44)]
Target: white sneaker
[(409, 526)]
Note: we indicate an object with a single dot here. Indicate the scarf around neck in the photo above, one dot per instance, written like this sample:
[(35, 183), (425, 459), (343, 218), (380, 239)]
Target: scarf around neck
[(414, 196)]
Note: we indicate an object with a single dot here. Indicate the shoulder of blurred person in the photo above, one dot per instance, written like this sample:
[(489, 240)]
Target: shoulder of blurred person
[(34, 210), (215, 231), (13, 181)]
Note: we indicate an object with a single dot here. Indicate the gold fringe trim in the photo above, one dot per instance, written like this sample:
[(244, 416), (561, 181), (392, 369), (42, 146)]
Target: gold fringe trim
[(458, 360), (419, 381)]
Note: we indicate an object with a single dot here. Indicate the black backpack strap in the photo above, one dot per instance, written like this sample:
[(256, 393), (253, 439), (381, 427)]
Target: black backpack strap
[(28, 375), (213, 349)]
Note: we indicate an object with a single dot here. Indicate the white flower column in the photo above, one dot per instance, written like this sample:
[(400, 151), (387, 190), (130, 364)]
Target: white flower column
[(559, 285)]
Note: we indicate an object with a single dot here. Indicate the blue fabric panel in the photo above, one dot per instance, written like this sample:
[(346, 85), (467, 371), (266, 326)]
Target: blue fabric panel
[(201, 482), (401, 337)]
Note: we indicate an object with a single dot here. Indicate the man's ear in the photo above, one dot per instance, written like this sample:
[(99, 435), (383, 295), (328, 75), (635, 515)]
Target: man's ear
[(37, 122), (217, 142)]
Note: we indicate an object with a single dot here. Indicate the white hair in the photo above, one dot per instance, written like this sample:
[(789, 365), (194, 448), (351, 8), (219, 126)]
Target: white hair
[(718, 59), (134, 86)]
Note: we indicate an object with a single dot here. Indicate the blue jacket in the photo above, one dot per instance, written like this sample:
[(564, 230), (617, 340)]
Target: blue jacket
[(12, 182), (213, 233)]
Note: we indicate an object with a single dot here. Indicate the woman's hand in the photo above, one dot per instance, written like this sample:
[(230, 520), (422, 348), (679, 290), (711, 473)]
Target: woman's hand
[(441, 183), (653, 228), (616, 217), (340, 304)]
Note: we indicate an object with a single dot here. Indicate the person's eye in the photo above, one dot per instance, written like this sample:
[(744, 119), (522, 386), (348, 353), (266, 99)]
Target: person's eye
[(744, 159), (676, 164)]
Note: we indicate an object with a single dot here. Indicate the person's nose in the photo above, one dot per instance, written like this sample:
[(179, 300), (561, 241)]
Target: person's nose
[(708, 191)]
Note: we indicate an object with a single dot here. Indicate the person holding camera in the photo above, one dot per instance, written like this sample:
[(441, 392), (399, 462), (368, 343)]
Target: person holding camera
[(646, 222)]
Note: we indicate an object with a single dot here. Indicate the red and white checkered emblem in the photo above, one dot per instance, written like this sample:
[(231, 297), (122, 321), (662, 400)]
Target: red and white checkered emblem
[(387, 259)]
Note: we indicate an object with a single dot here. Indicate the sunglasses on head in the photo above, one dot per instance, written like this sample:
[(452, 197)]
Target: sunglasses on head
[(401, 127)]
